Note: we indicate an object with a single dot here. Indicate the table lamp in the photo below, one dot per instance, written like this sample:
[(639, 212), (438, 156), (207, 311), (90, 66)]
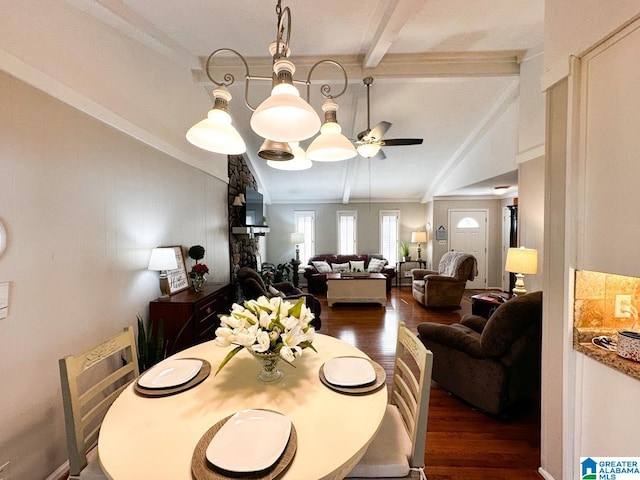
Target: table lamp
[(296, 239), (163, 259), (521, 261), (418, 237)]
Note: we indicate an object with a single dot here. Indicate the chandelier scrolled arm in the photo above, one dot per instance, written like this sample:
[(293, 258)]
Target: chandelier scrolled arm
[(325, 89)]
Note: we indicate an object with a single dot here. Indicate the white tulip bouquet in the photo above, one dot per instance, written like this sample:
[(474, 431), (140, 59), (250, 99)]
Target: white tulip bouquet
[(267, 325)]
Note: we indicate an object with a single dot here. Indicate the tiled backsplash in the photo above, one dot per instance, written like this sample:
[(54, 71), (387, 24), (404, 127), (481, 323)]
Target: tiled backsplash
[(595, 298)]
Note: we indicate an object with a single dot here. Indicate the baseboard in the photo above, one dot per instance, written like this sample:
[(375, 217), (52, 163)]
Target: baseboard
[(546, 475), (60, 473)]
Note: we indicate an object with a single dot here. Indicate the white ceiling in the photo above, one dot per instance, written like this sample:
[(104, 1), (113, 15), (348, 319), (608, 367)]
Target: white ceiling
[(440, 68)]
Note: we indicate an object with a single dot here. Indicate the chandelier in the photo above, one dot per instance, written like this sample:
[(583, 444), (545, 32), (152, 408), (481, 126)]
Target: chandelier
[(281, 119)]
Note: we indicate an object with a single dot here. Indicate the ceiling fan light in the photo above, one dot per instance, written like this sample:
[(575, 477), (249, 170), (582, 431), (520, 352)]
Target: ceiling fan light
[(368, 150), (299, 162)]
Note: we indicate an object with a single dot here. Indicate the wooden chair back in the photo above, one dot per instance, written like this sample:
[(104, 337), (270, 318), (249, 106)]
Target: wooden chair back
[(91, 381), (411, 389)]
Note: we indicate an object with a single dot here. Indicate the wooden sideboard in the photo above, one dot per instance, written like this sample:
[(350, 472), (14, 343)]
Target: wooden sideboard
[(190, 318)]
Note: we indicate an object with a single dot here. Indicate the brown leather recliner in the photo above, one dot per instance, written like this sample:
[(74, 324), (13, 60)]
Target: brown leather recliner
[(492, 363), (253, 287), (445, 287)]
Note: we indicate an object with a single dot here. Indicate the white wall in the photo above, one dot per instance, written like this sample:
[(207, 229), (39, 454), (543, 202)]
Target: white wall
[(279, 248), (61, 49), (83, 204), (596, 419)]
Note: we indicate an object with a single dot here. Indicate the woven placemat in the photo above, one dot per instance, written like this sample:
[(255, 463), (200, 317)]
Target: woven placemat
[(202, 469), (204, 372), (381, 378)]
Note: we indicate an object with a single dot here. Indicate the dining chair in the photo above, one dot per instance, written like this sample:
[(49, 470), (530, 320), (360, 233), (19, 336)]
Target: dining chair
[(91, 381), (397, 450)]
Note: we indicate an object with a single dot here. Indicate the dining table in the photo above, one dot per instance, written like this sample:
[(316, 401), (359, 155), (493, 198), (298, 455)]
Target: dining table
[(154, 437)]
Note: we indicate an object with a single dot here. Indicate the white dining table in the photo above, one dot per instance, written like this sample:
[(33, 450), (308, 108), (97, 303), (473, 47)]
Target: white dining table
[(154, 438)]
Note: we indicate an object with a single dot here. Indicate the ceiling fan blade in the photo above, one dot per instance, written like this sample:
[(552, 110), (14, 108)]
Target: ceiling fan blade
[(402, 141), (379, 130)]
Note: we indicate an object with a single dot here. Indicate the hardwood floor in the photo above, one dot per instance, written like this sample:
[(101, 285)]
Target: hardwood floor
[(462, 444)]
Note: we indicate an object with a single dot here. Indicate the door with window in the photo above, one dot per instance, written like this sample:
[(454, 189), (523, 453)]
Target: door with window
[(469, 234)]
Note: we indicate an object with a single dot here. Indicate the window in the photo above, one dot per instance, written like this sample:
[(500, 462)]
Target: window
[(305, 222), (347, 223), (468, 222), (389, 233)]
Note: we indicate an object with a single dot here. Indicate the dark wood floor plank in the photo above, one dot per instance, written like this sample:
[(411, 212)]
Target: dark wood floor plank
[(462, 444)]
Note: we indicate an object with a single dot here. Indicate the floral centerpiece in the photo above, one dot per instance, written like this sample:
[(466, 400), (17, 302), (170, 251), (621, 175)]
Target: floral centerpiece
[(199, 271), (270, 329)]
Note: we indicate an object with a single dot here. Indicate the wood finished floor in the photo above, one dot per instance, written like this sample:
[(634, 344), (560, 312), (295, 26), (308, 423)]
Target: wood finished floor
[(462, 444)]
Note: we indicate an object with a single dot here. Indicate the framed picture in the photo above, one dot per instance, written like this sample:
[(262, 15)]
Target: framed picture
[(178, 278)]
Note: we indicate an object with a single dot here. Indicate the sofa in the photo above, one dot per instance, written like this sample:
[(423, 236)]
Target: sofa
[(444, 288), (489, 363), (317, 280)]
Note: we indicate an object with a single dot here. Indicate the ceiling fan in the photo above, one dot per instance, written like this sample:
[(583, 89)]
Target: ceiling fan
[(370, 140)]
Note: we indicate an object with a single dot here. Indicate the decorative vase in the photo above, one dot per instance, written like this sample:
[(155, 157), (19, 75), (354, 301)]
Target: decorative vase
[(269, 373), (198, 283)]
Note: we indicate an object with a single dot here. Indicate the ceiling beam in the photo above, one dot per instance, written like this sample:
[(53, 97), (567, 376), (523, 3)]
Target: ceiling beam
[(393, 19), (393, 66)]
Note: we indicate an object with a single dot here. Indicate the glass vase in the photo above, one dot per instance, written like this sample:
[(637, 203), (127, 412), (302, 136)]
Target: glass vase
[(269, 372), (197, 283)]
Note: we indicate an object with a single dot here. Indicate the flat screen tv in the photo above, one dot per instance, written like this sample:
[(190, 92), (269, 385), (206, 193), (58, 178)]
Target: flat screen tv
[(254, 208)]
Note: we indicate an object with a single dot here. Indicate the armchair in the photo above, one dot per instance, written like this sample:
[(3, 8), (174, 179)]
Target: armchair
[(491, 363), (445, 287), (253, 287)]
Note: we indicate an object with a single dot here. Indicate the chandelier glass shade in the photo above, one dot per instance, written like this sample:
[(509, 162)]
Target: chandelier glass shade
[(299, 162), (215, 133), (331, 145), (284, 116), (281, 118)]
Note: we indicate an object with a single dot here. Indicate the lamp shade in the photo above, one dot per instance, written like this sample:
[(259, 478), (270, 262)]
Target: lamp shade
[(163, 259), (284, 116), (522, 260), (215, 133), (331, 145), (297, 238), (418, 237)]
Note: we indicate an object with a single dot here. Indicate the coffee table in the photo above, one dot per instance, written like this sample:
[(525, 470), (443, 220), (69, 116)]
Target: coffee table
[(342, 287)]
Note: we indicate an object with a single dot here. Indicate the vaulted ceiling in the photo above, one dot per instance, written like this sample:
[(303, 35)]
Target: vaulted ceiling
[(446, 71)]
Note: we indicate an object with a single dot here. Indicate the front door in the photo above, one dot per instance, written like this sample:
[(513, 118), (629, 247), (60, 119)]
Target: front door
[(469, 234)]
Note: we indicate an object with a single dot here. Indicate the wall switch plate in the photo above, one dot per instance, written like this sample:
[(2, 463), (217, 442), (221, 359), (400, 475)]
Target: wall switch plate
[(622, 301)]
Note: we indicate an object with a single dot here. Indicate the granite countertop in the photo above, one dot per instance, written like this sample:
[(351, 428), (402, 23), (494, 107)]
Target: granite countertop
[(582, 343)]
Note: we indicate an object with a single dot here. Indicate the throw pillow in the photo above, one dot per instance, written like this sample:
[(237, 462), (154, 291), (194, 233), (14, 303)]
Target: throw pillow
[(357, 265), (376, 265), (322, 267), (275, 292), (340, 267)]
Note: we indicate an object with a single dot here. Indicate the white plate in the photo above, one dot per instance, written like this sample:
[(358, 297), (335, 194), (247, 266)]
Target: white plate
[(171, 373), (349, 371), (250, 441)]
